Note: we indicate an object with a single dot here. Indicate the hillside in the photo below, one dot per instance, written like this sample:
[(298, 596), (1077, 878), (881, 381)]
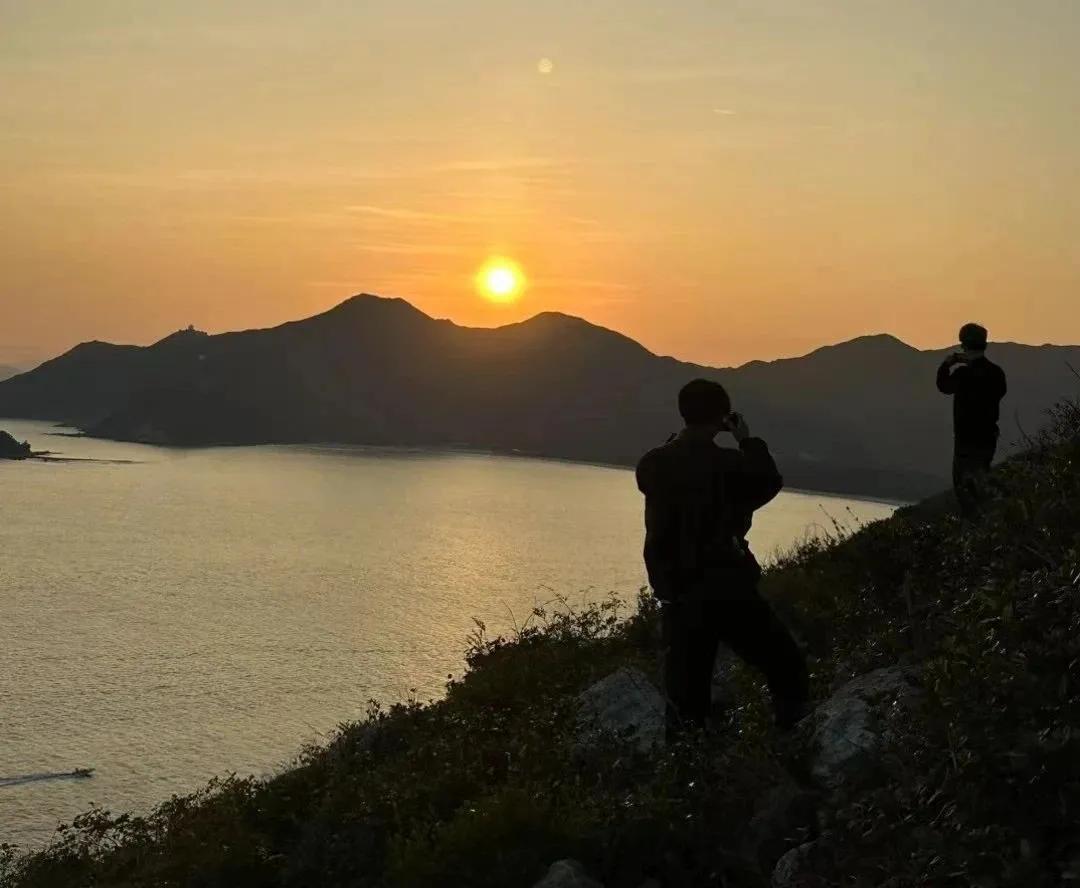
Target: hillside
[(860, 417), (7, 371), (945, 654)]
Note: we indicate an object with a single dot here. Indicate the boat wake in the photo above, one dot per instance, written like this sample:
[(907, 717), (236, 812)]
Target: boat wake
[(18, 780)]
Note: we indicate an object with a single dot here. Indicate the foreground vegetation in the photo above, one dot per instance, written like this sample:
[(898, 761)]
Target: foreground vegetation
[(980, 785)]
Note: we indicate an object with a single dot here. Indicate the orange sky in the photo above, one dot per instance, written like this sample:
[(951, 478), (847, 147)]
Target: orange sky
[(720, 180)]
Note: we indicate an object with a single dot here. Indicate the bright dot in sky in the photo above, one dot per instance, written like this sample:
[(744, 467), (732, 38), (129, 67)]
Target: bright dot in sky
[(545, 66), (500, 280)]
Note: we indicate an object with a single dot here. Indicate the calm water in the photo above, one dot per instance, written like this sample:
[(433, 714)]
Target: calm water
[(192, 613)]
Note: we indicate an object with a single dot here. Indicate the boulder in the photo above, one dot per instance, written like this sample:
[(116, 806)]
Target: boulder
[(567, 874), (624, 703), (782, 816), (850, 727), (794, 869)]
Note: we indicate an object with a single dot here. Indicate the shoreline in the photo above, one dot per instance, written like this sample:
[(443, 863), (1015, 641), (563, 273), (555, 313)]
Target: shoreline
[(434, 449)]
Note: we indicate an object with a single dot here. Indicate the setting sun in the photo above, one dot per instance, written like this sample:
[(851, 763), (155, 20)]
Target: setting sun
[(500, 280)]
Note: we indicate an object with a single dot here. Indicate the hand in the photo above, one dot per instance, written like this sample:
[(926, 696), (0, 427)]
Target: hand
[(954, 359), (737, 425)]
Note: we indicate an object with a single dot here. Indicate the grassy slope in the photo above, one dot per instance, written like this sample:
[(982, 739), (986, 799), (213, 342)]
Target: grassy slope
[(485, 788)]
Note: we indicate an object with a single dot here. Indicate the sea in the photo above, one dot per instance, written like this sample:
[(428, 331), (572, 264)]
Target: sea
[(170, 615)]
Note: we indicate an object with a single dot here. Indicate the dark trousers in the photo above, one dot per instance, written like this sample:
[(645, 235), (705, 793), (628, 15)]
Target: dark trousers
[(693, 630), (971, 465)]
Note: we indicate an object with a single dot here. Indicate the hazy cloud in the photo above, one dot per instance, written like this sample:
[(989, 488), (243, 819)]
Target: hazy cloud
[(406, 215), (500, 165), (581, 283), (743, 72), (406, 249), (344, 286)]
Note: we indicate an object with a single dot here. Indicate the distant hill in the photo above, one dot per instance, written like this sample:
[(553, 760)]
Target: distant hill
[(861, 417), (7, 371)]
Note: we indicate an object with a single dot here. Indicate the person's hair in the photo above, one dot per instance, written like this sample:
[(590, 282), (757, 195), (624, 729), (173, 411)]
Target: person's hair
[(973, 336), (703, 401)]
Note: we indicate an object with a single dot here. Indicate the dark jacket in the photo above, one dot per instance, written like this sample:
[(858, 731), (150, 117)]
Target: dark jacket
[(977, 388), (699, 503)]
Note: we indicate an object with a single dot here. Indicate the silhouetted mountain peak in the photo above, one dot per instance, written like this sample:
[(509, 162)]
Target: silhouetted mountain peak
[(876, 349), (92, 348), (862, 415), (557, 318), (370, 304), (570, 327), (872, 346), (366, 312), (181, 337), (872, 343)]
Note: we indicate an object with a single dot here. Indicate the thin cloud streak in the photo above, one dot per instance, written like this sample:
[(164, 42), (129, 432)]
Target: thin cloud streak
[(697, 73), (406, 215), (344, 286), (496, 165), (424, 217), (581, 283), (405, 249)]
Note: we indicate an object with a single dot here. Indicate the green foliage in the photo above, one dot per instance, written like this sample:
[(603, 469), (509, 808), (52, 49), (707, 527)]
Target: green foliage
[(984, 785), (978, 786)]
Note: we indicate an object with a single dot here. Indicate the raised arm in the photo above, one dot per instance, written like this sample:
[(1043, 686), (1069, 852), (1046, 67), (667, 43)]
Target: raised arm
[(758, 480), (946, 380)]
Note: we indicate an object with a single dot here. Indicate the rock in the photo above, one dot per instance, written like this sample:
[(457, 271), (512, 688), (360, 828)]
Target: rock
[(788, 811), (850, 727), (567, 874), (791, 869), (627, 704), (723, 692), (12, 449)]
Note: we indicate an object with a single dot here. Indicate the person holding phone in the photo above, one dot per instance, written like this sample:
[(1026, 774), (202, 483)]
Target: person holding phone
[(699, 503), (977, 386)]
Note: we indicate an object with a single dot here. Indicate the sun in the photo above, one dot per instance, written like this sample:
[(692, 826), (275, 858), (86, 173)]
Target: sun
[(500, 280)]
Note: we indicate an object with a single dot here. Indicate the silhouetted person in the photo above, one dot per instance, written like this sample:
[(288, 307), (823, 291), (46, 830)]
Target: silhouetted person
[(977, 386), (699, 502)]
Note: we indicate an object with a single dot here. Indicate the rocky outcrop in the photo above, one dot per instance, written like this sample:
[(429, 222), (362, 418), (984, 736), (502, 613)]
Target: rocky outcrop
[(851, 727), (12, 449), (624, 703), (839, 747), (567, 874), (795, 869), (784, 815), (845, 738)]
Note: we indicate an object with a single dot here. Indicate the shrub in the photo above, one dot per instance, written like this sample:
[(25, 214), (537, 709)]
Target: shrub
[(979, 786)]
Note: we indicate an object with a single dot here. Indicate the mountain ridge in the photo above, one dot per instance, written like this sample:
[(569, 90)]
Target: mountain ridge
[(860, 416)]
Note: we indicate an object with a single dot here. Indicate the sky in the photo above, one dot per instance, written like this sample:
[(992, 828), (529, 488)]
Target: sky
[(722, 180)]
